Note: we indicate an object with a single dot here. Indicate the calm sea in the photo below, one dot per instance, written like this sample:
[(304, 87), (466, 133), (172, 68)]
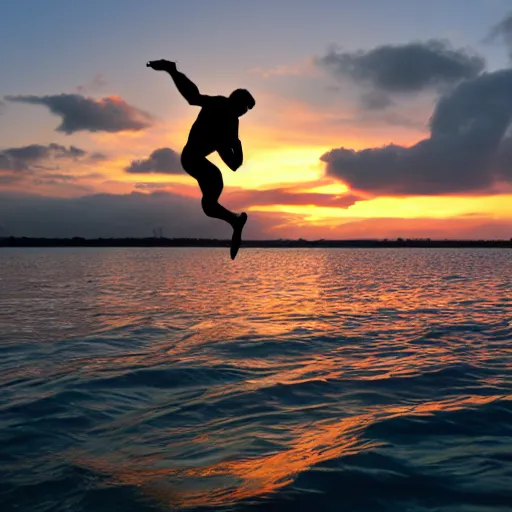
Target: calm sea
[(153, 379)]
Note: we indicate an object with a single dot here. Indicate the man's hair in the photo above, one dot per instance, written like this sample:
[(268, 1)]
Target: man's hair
[(243, 96)]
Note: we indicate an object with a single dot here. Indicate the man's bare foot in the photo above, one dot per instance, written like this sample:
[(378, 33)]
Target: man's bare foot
[(236, 239)]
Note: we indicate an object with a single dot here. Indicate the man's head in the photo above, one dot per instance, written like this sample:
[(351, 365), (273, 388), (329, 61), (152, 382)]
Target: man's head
[(242, 101)]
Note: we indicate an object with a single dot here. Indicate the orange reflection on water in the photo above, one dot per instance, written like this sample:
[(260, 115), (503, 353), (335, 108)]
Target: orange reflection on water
[(267, 474), (229, 481)]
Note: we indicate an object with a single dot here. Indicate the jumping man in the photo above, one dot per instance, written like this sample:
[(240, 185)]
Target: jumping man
[(215, 129)]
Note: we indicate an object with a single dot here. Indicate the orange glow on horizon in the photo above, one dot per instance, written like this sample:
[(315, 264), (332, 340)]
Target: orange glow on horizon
[(436, 207)]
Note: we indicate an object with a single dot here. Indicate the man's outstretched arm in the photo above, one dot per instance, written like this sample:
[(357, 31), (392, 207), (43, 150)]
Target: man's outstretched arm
[(185, 86)]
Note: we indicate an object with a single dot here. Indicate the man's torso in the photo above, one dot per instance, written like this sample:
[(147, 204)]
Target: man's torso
[(214, 127)]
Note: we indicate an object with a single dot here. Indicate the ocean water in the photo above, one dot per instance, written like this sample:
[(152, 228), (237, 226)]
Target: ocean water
[(171, 379)]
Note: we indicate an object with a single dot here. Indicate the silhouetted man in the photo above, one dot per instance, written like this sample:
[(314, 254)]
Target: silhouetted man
[(215, 129)]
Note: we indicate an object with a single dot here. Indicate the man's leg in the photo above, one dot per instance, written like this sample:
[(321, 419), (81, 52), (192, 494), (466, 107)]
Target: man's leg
[(210, 181)]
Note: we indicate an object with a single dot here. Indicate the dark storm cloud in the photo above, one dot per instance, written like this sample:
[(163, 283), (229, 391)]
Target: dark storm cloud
[(162, 160), (405, 68), (78, 113), (503, 30), (29, 158), (466, 151)]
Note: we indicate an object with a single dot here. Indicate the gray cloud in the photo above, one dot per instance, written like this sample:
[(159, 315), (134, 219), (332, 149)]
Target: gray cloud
[(40, 165), (99, 215), (78, 113), (467, 150), (162, 160), (375, 100), (38, 152), (97, 157), (503, 30), (29, 158), (405, 68), (113, 215)]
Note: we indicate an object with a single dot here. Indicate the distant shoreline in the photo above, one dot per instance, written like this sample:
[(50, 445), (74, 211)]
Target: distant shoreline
[(207, 242)]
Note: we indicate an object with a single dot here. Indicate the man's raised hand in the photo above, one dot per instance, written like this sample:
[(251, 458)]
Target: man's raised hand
[(161, 65)]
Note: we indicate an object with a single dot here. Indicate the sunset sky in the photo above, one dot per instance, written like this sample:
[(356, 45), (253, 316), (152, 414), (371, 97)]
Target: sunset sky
[(373, 119)]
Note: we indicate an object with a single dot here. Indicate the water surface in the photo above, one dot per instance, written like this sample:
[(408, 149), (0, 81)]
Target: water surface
[(151, 379)]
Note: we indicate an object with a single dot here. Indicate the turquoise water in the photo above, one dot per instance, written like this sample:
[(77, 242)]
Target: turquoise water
[(310, 379)]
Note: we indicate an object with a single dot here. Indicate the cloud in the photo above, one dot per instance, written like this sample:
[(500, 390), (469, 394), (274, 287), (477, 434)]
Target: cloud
[(503, 30), (2, 107), (466, 151), (39, 165), (98, 215), (78, 113), (31, 157), (161, 161), (241, 199), (137, 214), (375, 100), (97, 157), (405, 68), (120, 215)]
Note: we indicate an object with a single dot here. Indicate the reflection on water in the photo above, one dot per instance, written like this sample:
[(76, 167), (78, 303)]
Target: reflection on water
[(175, 378)]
